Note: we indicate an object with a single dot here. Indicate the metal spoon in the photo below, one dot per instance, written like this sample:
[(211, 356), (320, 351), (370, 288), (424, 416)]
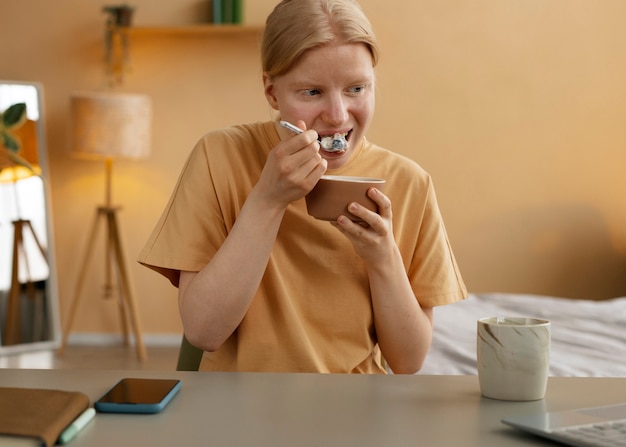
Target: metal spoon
[(336, 143)]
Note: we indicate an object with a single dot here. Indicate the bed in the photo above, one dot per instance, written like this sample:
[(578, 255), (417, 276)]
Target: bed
[(588, 337)]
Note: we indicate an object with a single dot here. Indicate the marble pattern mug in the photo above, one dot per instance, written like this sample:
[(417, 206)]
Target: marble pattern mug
[(513, 357)]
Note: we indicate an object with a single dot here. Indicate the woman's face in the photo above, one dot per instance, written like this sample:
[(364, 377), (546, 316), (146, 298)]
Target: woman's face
[(331, 89)]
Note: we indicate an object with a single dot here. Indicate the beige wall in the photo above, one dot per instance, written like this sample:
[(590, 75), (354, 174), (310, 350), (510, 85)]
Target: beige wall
[(516, 108)]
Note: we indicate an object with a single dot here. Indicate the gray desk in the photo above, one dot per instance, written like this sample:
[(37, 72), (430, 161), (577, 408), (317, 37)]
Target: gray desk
[(216, 409)]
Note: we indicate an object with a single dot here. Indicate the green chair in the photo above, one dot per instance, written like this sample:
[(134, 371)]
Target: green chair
[(189, 356)]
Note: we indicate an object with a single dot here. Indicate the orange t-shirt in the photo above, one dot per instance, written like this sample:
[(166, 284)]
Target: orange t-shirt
[(312, 311)]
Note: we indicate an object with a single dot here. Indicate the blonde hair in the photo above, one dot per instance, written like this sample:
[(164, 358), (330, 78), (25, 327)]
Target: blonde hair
[(295, 26)]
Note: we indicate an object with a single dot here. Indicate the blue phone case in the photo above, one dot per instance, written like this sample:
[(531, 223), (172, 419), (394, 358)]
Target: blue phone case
[(144, 396)]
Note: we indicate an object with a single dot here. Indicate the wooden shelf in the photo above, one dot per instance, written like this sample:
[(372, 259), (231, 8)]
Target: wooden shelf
[(193, 30)]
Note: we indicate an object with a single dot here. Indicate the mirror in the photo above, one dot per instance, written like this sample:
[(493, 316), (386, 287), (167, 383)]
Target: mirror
[(29, 318)]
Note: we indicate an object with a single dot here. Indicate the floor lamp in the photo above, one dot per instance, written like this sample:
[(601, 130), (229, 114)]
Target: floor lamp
[(108, 125), (12, 173)]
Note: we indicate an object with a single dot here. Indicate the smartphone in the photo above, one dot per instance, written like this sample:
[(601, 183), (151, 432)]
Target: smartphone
[(138, 396)]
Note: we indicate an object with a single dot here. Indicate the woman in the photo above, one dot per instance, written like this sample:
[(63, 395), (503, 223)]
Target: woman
[(262, 285)]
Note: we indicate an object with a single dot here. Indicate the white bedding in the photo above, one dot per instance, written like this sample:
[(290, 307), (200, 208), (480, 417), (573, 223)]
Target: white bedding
[(588, 337)]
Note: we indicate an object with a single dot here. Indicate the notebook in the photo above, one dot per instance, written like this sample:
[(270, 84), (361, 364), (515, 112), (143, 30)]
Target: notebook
[(581, 427), (30, 416)]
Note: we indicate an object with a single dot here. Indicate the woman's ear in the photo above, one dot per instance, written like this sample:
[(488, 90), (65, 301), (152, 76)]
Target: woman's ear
[(269, 89)]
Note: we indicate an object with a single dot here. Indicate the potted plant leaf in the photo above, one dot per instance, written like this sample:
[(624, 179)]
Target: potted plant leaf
[(10, 145)]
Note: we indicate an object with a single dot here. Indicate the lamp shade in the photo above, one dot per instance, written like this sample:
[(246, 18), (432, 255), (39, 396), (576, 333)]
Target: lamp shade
[(111, 125)]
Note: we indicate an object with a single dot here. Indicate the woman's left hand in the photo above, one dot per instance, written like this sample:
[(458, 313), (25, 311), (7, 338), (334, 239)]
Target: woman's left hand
[(403, 327), (373, 237)]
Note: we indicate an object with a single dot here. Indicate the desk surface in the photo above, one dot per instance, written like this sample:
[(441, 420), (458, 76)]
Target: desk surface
[(261, 409)]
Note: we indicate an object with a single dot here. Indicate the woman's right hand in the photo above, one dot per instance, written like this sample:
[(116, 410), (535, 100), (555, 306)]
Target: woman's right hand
[(292, 168), (214, 300)]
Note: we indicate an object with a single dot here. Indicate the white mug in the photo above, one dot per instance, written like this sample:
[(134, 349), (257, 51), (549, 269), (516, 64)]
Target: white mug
[(513, 357)]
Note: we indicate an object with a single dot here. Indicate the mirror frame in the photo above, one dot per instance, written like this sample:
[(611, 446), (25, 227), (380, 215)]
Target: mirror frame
[(52, 294)]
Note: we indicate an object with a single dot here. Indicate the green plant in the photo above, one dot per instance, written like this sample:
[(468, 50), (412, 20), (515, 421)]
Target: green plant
[(13, 117), (10, 120)]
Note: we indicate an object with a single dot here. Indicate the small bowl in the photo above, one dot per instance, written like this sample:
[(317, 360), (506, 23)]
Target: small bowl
[(333, 193)]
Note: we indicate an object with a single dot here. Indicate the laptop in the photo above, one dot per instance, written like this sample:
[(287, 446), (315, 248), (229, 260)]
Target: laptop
[(581, 427)]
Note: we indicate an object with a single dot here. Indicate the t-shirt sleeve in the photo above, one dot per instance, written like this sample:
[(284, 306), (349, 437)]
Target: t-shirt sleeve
[(191, 227), (433, 271)]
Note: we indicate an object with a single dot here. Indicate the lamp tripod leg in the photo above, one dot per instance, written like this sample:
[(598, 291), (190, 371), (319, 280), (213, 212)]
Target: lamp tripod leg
[(79, 284), (13, 329), (42, 250), (127, 300), (125, 286), (13, 318), (111, 261), (38, 326)]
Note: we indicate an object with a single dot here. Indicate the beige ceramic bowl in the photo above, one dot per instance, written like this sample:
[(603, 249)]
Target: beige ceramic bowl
[(333, 193)]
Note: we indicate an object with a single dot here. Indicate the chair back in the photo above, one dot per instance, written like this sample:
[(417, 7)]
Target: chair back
[(189, 357)]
